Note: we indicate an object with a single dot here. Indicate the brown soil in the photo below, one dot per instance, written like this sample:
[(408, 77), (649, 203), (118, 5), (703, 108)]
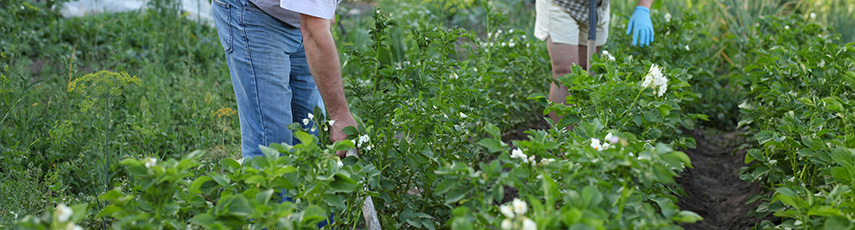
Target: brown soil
[(713, 187)]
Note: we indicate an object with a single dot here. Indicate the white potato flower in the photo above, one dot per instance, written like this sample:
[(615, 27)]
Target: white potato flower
[(149, 162), (517, 153), (520, 207), (363, 139), (595, 143), (507, 211), (667, 17), (529, 224), (812, 16), (462, 115), (311, 116), (654, 78), (608, 55), (305, 121), (63, 213), (507, 224)]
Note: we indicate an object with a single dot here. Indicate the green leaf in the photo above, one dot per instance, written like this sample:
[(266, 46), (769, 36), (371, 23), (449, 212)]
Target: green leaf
[(591, 196), (334, 200), (653, 133), (230, 165), (350, 131), (239, 206), (456, 194), (203, 185), (652, 115), (445, 185), (313, 215), (687, 217), (493, 130), (681, 157), (342, 183), (195, 155), (111, 195), (305, 137), (222, 180), (270, 153), (264, 196), (787, 196), (108, 211), (257, 180), (491, 144)]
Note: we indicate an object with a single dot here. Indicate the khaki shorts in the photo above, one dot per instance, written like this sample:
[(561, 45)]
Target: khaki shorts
[(552, 21)]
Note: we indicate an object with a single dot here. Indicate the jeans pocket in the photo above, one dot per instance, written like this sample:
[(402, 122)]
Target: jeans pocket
[(223, 21)]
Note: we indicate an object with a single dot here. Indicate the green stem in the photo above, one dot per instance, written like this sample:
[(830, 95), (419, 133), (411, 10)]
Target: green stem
[(106, 152), (631, 105)]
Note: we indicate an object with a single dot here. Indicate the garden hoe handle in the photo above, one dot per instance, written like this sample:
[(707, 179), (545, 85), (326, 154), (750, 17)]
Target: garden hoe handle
[(592, 34), (368, 211)]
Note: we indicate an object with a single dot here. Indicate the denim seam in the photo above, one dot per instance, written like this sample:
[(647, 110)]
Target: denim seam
[(253, 74)]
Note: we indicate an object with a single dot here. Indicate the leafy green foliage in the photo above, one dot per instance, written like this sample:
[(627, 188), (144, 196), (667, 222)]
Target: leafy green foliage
[(799, 114)]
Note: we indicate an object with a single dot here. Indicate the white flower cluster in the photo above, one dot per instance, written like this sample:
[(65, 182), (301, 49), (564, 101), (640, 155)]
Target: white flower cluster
[(63, 214), (363, 141), (331, 122), (517, 153), (150, 162), (515, 213), (667, 17), (608, 55), (609, 141), (656, 80), (307, 120)]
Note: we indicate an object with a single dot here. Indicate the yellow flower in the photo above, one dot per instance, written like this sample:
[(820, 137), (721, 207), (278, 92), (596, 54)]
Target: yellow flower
[(102, 84), (225, 112)]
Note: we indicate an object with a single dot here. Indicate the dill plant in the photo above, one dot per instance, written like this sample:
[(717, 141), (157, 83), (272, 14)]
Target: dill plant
[(95, 87)]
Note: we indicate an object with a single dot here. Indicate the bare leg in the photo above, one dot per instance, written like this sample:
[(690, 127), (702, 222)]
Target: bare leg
[(563, 56)]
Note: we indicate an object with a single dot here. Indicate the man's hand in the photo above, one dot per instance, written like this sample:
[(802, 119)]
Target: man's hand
[(336, 133)]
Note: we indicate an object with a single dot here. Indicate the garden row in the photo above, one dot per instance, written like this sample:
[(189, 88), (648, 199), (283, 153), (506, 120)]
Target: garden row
[(432, 108), (799, 115), (440, 111)]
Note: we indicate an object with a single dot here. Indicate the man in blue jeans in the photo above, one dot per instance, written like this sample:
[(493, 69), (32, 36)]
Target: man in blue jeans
[(270, 71)]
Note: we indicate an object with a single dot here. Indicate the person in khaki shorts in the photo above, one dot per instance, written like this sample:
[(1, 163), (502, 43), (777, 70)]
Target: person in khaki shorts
[(563, 24)]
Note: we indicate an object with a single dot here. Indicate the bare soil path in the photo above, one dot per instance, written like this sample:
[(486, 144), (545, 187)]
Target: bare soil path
[(713, 187)]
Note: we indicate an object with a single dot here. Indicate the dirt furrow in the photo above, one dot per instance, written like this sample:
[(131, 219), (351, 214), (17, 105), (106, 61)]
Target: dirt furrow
[(713, 187)]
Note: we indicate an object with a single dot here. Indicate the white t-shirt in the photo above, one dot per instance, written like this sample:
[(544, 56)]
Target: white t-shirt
[(272, 8), (318, 8)]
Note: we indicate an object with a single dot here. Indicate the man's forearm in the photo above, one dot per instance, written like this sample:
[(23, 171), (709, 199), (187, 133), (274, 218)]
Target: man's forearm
[(322, 57), (645, 3)]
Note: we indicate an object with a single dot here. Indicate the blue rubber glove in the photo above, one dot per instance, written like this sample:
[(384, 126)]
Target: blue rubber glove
[(640, 26)]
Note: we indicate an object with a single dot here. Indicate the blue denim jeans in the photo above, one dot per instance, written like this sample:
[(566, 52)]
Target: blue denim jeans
[(269, 72), (270, 75)]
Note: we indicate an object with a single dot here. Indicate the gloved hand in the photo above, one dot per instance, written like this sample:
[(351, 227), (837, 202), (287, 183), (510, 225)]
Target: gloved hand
[(640, 26)]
